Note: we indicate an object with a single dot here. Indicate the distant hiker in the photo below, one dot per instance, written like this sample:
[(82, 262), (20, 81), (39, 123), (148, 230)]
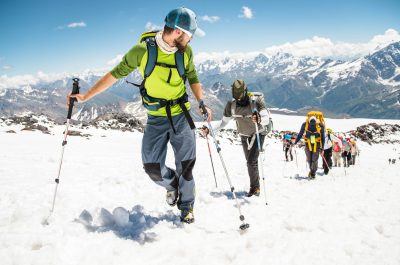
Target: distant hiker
[(330, 138), (346, 152), (241, 108), (337, 152), (287, 146), (313, 129), (165, 61), (393, 161), (354, 151), (390, 161)]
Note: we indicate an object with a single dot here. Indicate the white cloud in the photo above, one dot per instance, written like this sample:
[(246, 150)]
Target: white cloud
[(77, 25), (19, 81), (24, 80), (314, 47), (219, 56), (73, 25), (390, 36), (210, 19), (6, 67), (117, 59), (152, 27), (324, 47), (246, 13)]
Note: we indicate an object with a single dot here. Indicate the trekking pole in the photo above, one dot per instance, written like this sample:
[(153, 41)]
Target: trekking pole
[(323, 158), (261, 152), (212, 164), (75, 90), (295, 152), (244, 225)]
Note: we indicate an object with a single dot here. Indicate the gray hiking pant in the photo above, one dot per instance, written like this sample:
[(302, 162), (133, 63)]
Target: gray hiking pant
[(251, 155), (157, 134), (312, 159)]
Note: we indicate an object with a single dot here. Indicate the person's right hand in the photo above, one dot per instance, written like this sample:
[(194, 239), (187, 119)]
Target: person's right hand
[(205, 131), (79, 98)]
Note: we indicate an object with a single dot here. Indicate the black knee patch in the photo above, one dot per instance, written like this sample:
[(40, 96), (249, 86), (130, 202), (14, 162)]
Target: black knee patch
[(153, 170), (175, 181), (187, 167)]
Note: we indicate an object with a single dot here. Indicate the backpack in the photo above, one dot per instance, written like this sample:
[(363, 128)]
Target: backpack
[(253, 105), (152, 103), (336, 148), (313, 133)]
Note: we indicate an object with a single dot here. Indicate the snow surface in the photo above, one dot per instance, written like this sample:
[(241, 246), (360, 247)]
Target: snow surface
[(108, 211)]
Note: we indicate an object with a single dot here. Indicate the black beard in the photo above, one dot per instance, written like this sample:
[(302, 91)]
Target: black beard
[(244, 101), (179, 45)]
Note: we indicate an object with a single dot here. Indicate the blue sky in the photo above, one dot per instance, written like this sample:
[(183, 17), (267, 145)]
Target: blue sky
[(35, 35)]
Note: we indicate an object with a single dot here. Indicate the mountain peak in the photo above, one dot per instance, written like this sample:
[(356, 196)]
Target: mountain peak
[(261, 58)]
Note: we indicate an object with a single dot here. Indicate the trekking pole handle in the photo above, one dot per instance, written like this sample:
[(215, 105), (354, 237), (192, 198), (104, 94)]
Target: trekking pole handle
[(203, 109), (75, 90)]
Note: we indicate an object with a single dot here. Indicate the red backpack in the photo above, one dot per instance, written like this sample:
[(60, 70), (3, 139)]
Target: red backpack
[(336, 148)]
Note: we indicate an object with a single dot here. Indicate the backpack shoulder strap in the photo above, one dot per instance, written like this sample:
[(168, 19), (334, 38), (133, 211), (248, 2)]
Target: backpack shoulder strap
[(180, 64), (253, 104), (152, 54), (233, 108), (318, 128)]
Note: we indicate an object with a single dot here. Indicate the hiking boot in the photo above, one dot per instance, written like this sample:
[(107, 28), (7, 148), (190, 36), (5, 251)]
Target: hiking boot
[(172, 197), (187, 216), (311, 175), (253, 191)]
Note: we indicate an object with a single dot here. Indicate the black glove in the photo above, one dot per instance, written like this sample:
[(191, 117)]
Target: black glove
[(256, 117)]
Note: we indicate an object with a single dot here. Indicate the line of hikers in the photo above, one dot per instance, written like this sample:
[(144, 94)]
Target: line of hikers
[(165, 61), (335, 148)]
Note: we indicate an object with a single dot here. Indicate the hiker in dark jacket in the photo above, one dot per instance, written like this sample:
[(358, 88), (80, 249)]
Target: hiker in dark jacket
[(315, 140)]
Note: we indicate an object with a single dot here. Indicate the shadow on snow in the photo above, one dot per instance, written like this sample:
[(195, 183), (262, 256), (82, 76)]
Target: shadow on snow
[(133, 225), (240, 195)]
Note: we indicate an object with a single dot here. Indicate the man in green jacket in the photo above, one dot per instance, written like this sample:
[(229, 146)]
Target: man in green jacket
[(164, 95)]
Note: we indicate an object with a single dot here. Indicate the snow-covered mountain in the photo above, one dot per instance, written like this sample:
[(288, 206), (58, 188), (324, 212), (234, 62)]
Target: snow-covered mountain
[(368, 86), (365, 87)]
